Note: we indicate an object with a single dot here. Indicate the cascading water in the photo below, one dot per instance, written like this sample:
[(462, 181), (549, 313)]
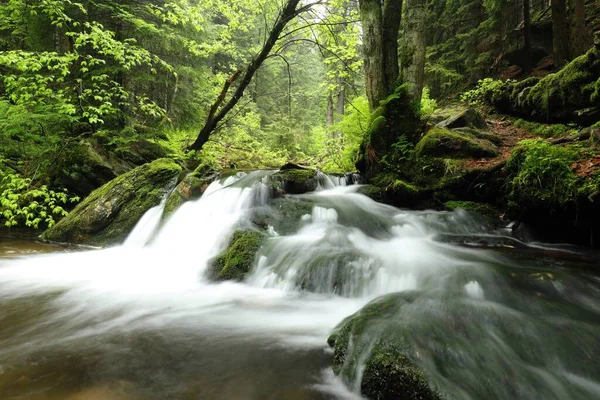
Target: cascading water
[(141, 321)]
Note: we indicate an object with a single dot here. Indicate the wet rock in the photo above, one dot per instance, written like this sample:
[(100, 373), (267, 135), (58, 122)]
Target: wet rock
[(109, 213), (190, 188), (238, 258), (294, 181), (389, 371)]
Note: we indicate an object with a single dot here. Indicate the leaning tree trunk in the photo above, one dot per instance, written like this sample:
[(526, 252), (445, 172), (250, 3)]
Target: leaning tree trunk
[(220, 108), (560, 33), (581, 37), (413, 54)]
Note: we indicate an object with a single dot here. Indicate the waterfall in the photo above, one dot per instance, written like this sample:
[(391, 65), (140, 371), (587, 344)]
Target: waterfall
[(324, 256)]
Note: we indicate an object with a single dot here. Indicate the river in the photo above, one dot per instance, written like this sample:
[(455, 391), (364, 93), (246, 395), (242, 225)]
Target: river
[(141, 321)]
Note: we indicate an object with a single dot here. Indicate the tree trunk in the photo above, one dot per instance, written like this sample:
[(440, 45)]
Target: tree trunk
[(581, 38), (560, 33), (329, 116), (380, 24), (371, 16), (413, 55), (289, 12), (527, 35), (392, 14)]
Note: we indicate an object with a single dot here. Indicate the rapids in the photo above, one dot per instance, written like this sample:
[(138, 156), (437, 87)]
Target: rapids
[(141, 321)]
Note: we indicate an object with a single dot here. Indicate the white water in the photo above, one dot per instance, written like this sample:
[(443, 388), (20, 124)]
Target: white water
[(156, 278)]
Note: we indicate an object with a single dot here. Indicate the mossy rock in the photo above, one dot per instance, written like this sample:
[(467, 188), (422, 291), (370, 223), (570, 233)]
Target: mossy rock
[(480, 208), (440, 142), (89, 164), (284, 214), (190, 188), (390, 371), (294, 181), (109, 213), (458, 117), (238, 258)]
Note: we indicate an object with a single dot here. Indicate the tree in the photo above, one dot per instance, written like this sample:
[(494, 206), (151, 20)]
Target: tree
[(560, 32), (527, 34), (413, 54), (580, 36), (381, 23), (217, 113)]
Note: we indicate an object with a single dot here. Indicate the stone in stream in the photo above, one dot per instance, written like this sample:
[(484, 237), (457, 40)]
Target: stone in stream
[(238, 258), (190, 188), (109, 213)]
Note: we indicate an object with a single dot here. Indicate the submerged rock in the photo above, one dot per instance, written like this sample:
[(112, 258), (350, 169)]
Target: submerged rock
[(109, 213), (238, 258), (389, 370)]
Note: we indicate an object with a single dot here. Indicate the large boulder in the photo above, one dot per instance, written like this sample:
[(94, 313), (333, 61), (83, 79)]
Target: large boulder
[(389, 370), (88, 164), (294, 180), (109, 213), (458, 117), (190, 188), (238, 258), (441, 142)]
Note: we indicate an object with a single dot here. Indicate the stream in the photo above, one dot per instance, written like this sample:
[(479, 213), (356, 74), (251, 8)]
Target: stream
[(141, 321)]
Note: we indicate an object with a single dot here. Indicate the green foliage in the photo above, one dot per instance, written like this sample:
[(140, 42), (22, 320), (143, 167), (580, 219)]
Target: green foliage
[(544, 130), (428, 105), (36, 207), (541, 174), (484, 92), (340, 149)]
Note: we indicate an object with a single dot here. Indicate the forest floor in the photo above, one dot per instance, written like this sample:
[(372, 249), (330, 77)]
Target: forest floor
[(511, 135)]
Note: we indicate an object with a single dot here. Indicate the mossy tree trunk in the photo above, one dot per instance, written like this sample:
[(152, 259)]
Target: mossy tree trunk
[(413, 55), (560, 32), (527, 34), (380, 23)]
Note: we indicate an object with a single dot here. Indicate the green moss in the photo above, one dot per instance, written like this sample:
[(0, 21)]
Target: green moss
[(544, 130), (440, 142), (541, 174), (191, 187), (109, 213), (238, 258), (575, 86), (390, 370), (294, 181), (481, 208)]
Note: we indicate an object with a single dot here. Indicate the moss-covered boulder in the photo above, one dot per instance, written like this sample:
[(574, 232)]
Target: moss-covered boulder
[(89, 164), (294, 181), (458, 117), (238, 258), (109, 213), (371, 341), (441, 142), (190, 188)]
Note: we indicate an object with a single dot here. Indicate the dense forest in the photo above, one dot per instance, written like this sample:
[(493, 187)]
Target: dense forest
[(91, 89)]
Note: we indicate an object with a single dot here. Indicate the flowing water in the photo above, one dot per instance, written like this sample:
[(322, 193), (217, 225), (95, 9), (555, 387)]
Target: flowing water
[(140, 321)]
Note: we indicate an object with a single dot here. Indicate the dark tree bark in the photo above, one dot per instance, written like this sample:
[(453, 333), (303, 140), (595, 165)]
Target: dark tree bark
[(560, 32), (380, 23), (289, 12), (581, 37), (527, 35), (413, 55), (329, 115)]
